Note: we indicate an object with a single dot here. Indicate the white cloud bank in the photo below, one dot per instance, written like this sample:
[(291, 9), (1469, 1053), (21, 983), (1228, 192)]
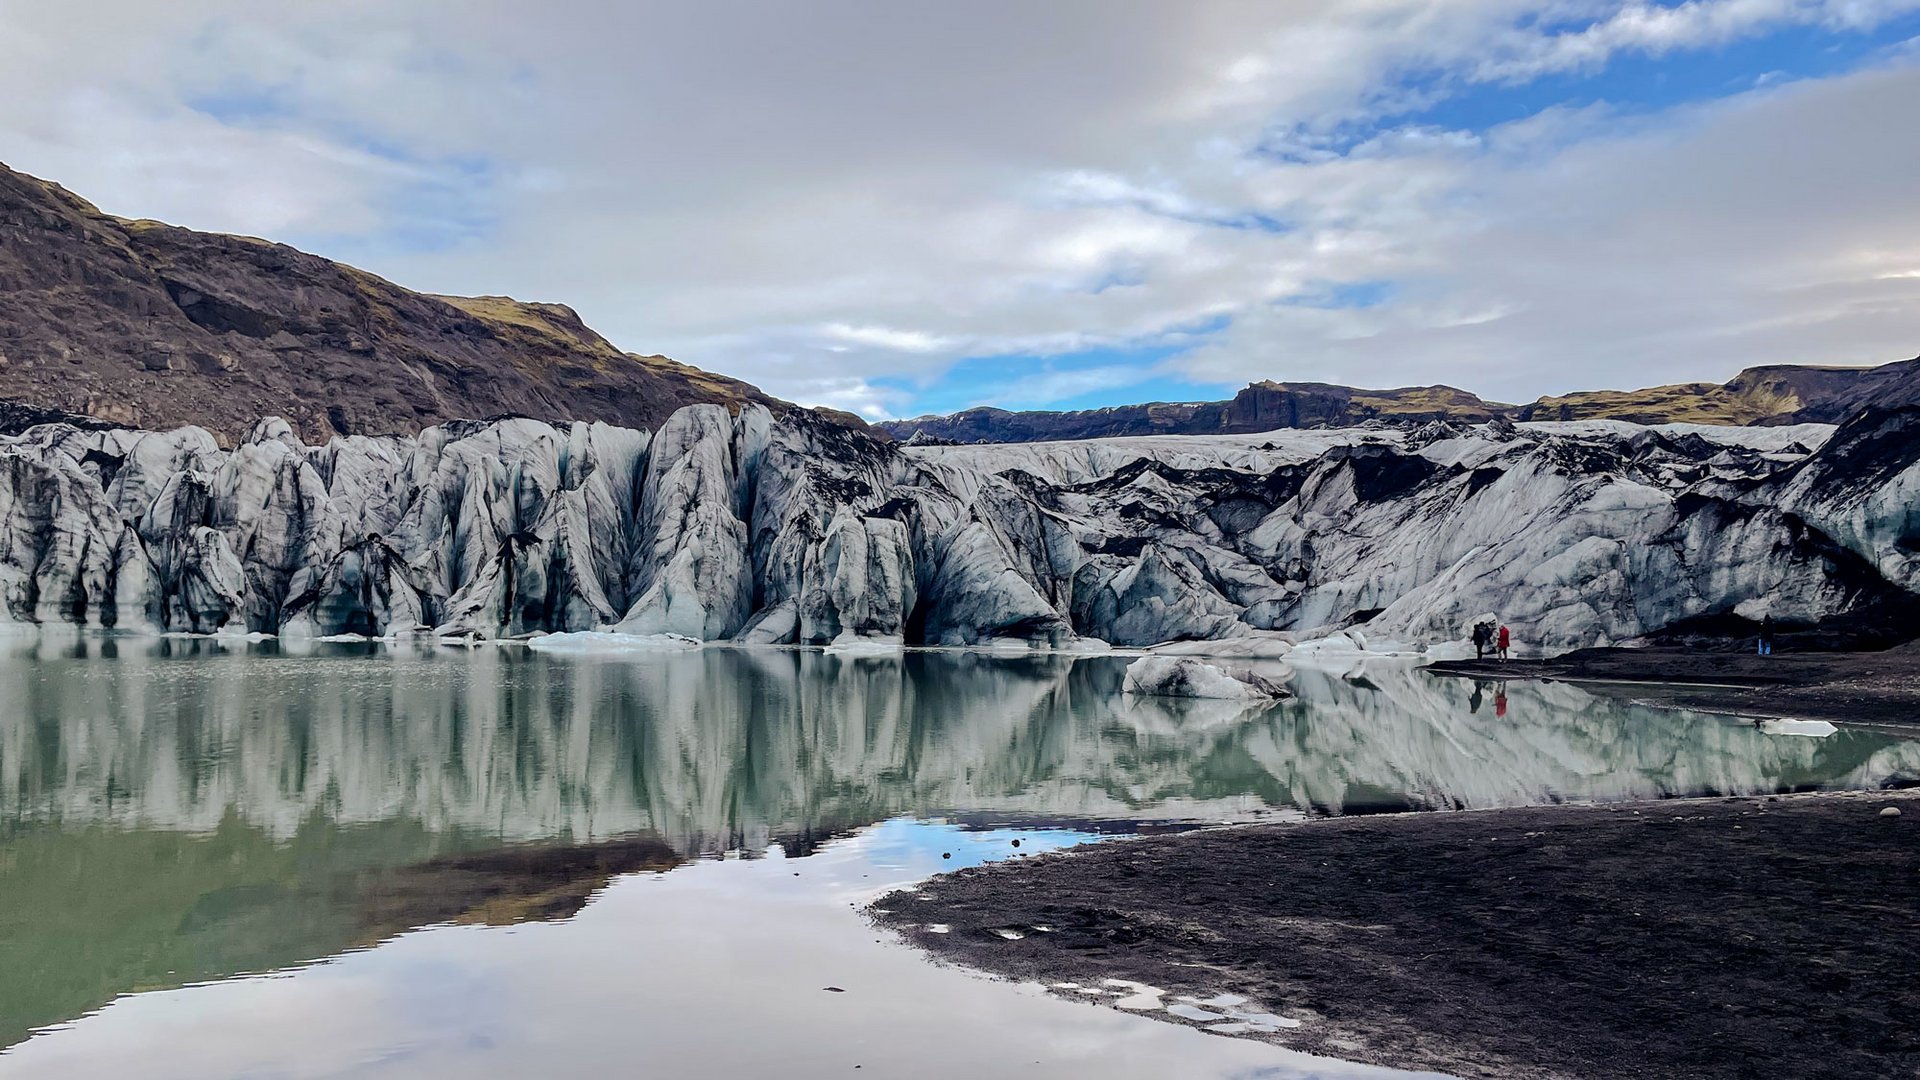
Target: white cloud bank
[(831, 199)]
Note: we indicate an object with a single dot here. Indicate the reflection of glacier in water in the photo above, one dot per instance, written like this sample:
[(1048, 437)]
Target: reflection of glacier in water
[(720, 749), (181, 811)]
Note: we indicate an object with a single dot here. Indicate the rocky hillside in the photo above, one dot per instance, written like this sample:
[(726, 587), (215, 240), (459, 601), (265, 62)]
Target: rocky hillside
[(794, 530), (1776, 394), (148, 325), (1780, 394)]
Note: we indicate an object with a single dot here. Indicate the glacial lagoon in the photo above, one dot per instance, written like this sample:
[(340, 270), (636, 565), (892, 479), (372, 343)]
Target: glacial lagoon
[(224, 858)]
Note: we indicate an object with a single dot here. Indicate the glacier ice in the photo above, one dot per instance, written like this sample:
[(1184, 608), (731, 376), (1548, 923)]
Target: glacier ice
[(793, 531), (1185, 676)]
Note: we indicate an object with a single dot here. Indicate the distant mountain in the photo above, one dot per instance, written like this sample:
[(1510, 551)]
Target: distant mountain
[(149, 325), (1263, 406), (1775, 394), (1778, 394)]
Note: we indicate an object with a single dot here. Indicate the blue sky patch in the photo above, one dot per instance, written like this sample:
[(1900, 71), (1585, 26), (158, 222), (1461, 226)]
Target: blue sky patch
[(1086, 379), (1637, 82), (1342, 295)]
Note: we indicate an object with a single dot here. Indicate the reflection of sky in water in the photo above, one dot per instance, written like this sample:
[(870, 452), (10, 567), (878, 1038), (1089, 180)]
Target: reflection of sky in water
[(716, 969), (180, 812), (919, 848)]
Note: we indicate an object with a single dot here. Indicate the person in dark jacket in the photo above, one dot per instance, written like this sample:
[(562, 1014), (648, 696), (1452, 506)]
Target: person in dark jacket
[(1766, 635), (1482, 636)]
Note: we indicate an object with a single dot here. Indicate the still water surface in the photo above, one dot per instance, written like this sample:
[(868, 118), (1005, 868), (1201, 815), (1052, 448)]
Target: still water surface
[(230, 860)]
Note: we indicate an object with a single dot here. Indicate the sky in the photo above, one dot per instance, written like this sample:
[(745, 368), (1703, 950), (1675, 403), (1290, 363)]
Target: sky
[(908, 207)]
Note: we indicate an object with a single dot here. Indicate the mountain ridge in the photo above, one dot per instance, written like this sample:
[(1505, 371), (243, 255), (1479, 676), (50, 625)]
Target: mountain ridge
[(1764, 395), (145, 324)]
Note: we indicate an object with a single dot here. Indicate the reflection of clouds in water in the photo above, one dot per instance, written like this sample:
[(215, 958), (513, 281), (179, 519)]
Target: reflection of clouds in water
[(734, 748)]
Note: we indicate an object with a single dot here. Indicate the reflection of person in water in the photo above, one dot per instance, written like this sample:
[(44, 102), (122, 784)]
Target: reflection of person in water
[(1500, 701), (1474, 702)]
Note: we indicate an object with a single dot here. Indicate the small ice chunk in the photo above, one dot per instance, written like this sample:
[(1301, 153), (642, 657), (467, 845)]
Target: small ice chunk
[(939, 928), (1008, 933), (595, 641), (1816, 729), (1143, 998), (1186, 677), (1078, 989), (852, 644), (1217, 1001), (1265, 1019), (1192, 1012), (1241, 1027)]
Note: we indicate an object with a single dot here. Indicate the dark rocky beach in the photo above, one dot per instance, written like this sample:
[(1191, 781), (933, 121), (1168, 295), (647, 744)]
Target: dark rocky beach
[(1877, 686), (1739, 937)]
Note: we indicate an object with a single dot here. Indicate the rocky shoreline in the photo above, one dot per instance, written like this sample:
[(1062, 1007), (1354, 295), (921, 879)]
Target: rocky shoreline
[(1739, 937), (1877, 687)]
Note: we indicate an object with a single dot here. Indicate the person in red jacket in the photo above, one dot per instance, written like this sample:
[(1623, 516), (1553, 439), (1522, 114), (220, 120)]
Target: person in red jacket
[(1506, 639)]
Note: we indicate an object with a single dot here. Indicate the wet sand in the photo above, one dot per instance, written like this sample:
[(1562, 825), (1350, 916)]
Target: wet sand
[(1742, 937), (1844, 687)]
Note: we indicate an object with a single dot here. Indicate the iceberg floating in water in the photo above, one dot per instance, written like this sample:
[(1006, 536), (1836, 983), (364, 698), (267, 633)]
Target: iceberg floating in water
[(850, 644), (1818, 729), (1184, 676), (600, 641)]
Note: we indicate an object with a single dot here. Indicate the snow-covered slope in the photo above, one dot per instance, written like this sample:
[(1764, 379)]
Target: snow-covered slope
[(740, 526)]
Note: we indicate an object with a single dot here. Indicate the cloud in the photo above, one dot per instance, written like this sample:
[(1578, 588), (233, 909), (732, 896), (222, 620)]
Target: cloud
[(884, 337), (1656, 29), (1645, 255), (843, 202), (1047, 386)]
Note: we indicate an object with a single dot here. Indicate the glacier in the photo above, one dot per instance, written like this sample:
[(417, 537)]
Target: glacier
[(723, 526)]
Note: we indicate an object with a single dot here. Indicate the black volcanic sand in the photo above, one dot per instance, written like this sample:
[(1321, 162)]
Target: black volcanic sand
[(1746, 937), (1844, 687)]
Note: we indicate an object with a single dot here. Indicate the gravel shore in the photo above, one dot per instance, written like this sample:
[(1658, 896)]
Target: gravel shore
[(1881, 687), (1699, 938)]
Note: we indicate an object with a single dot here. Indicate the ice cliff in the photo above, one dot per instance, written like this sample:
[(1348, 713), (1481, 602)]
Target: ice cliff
[(738, 526)]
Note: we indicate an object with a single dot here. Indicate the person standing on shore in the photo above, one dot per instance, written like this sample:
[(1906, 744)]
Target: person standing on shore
[(1482, 633), (1766, 635), (1506, 639)]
